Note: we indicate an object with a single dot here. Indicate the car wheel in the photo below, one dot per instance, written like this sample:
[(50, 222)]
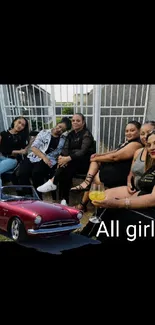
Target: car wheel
[(17, 230)]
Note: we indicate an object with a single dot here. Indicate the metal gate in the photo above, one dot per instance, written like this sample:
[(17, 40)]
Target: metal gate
[(107, 108)]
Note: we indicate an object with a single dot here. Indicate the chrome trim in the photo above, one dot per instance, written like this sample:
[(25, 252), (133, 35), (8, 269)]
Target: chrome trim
[(54, 230), (58, 223)]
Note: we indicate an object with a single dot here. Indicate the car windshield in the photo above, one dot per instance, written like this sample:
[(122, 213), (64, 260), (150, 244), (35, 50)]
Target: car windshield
[(16, 193)]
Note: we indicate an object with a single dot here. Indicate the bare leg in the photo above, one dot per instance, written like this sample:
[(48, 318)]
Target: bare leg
[(97, 179), (83, 204), (120, 192), (93, 169)]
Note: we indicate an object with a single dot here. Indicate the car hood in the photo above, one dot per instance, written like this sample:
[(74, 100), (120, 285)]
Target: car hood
[(47, 211)]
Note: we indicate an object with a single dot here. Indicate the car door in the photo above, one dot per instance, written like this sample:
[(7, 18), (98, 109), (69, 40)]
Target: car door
[(3, 215)]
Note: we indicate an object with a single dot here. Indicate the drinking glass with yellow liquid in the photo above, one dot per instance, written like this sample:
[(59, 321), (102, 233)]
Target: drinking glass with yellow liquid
[(96, 192)]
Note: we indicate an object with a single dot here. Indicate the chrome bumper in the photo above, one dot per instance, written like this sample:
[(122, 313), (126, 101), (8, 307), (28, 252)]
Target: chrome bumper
[(54, 230)]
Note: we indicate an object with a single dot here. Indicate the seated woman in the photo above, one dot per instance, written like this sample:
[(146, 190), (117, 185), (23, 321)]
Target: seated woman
[(13, 144), (111, 168), (75, 157), (139, 159), (42, 161), (144, 196)]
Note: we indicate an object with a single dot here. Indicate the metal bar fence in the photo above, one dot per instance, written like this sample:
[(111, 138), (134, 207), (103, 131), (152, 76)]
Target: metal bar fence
[(107, 108)]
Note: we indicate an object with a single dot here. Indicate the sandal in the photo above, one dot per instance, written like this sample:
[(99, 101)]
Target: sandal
[(80, 188), (82, 206)]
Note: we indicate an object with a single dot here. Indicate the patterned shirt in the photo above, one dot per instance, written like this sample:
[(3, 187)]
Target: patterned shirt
[(42, 142)]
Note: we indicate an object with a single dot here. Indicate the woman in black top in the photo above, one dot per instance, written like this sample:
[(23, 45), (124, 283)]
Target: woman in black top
[(75, 157), (144, 198), (13, 143), (140, 204), (111, 168)]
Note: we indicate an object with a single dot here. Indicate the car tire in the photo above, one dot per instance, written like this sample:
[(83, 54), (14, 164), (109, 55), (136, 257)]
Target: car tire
[(17, 230)]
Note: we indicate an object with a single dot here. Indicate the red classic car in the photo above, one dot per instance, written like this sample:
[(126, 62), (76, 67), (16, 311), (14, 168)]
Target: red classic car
[(23, 214)]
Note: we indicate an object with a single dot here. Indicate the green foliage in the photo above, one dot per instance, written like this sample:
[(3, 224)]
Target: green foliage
[(58, 119), (68, 111)]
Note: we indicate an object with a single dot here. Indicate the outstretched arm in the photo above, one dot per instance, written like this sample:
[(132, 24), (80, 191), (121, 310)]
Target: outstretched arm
[(102, 154), (123, 154), (133, 202)]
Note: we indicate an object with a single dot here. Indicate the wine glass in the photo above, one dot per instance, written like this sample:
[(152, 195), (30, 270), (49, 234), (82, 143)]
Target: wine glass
[(96, 192)]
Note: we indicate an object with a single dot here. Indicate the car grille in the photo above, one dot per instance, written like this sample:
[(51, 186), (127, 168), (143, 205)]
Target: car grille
[(58, 223)]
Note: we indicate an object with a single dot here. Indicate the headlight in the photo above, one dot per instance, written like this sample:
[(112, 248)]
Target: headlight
[(37, 220), (79, 215)]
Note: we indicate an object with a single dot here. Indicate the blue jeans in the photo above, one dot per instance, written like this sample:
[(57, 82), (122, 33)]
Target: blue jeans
[(6, 164)]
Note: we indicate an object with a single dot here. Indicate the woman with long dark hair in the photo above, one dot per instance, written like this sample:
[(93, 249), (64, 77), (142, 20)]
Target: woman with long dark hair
[(41, 162), (139, 202), (111, 168), (144, 196), (13, 144), (75, 158)]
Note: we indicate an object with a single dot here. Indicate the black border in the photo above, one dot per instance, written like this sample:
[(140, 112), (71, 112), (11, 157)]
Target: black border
[(76, 66)]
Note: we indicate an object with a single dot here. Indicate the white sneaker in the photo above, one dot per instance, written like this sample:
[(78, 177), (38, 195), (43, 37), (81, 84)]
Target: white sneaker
[(63, 202), (47, 187)]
